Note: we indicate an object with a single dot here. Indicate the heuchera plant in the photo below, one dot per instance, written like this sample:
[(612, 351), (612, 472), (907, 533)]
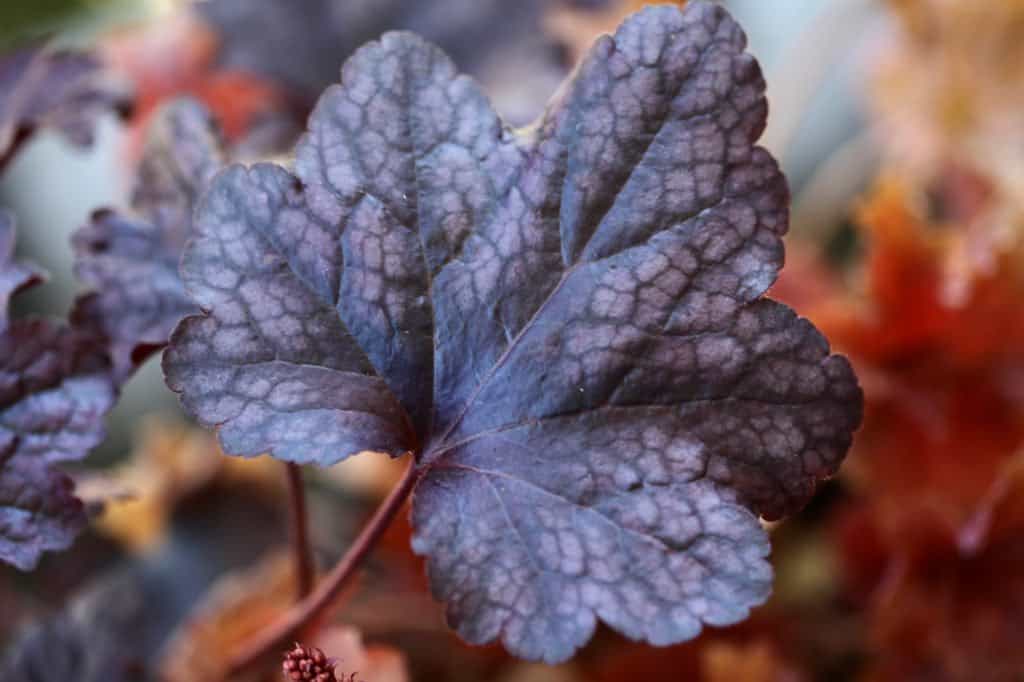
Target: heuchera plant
[(55, 389), (55, 381), (562, 327), (45, 88), (130, 259)]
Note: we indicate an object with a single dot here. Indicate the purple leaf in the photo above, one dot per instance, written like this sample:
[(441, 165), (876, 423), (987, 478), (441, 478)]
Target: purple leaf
[(571, 316), (132, 262), (66, 91), (38, 511), (272, 364), (95, 637), (54, 393)]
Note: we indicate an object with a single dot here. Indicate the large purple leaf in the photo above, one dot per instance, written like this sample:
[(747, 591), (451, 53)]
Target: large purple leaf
[(571, 316), (63, 90), (132, 260), (54, 393)]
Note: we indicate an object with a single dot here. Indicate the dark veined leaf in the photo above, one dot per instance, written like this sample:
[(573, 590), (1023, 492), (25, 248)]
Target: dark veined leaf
[(63, 90), (565, 323), (132, 260), (54, 392)]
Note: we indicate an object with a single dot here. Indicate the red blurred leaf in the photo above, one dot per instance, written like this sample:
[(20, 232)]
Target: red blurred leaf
[(175, 58)]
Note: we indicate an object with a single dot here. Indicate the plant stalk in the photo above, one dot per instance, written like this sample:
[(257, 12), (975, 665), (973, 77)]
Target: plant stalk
[(283, 631), (301, 551)]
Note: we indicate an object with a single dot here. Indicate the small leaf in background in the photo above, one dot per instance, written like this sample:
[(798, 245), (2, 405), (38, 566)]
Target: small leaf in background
[(54, 393), (44, 88), (131, 260), (38, 511), (565, 324)]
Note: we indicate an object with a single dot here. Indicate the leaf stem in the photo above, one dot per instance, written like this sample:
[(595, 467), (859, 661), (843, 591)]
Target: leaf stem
[(282, 632), (301, 552)]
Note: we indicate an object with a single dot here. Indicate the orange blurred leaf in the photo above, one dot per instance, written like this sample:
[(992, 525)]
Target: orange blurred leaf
[(236, 608)]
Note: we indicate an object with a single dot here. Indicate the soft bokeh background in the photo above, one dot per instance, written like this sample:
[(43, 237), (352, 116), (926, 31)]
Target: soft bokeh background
[(899, 124)]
